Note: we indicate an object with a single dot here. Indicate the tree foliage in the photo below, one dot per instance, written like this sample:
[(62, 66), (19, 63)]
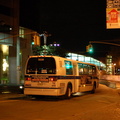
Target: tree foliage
[(49, 50)]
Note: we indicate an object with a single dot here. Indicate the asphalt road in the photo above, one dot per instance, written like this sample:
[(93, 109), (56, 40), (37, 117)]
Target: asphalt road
[(103, 105)]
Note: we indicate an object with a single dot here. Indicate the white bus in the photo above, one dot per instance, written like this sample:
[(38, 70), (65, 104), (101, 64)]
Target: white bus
[(57, 76)]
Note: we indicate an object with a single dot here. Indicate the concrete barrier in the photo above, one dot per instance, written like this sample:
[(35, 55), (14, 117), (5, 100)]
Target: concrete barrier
[(111, 77), (111, 80)]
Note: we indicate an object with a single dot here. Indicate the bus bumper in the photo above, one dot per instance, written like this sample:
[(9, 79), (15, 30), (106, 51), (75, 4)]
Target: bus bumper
[(45, 91)]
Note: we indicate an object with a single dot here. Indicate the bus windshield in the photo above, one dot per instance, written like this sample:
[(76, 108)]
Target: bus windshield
[(41, 65)]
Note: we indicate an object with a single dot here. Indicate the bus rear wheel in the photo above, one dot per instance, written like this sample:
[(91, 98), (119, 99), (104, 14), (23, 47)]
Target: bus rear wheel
[(68, 93), (94, 88)]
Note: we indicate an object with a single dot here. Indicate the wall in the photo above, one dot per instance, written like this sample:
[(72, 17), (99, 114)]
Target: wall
[(115, 78)]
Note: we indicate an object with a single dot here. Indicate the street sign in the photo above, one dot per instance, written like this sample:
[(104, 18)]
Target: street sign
[(113, 14)]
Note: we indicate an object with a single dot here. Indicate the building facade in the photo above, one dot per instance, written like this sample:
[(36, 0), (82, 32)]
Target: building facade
[(9, 27), (15, 43)]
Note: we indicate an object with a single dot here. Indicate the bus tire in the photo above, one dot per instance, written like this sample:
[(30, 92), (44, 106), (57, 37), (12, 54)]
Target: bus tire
[(94, 88), (68, 93)]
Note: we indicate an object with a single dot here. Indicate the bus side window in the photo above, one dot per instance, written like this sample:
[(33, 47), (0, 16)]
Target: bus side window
[(86, 69), (90, 69), (80, 68), (69, 67), (93, 70)]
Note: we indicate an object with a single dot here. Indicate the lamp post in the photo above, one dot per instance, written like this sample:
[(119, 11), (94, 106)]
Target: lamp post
[(45, 35), (114, 68)]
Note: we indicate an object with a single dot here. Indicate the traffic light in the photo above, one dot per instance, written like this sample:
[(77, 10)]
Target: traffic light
[(89, 48), (36, 40)]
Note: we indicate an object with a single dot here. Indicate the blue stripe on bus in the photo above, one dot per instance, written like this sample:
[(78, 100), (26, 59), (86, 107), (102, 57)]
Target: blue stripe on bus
[(58, 77), (64, 77)]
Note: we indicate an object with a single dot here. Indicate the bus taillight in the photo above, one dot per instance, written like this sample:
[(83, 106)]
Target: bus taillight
[(28, 78), (52, 79)]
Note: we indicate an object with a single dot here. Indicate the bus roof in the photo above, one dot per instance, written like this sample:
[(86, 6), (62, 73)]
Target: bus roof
[(61, 58)]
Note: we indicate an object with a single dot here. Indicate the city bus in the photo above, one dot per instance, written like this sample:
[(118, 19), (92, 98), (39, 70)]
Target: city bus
[(58, 76)]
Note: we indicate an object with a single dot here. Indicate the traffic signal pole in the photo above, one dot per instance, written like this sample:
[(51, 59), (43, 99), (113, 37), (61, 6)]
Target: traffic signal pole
[(101, 42), (104, 43), (12, 36), (89, 48)]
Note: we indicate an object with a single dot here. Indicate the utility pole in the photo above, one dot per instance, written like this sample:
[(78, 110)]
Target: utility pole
[(18, 59)]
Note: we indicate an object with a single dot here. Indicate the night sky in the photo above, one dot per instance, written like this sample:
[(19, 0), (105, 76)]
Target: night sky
[(71, 23)]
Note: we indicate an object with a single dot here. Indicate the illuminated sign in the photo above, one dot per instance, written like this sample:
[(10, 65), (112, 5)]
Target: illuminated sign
[(113, 14)]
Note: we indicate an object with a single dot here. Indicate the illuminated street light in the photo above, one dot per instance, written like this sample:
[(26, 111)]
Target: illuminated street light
[(114, 68)]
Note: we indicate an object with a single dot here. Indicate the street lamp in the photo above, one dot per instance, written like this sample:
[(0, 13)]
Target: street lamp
[(45, 35), (114, 68)]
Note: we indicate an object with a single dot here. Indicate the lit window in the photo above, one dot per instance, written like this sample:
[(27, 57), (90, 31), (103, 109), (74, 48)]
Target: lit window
[(21, 33), (5, 65)]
